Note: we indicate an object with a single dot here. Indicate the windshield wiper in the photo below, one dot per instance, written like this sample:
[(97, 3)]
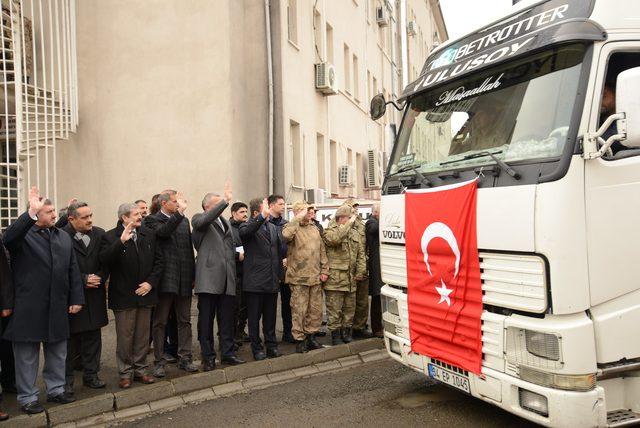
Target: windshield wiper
[(504, 166), (418, 177)]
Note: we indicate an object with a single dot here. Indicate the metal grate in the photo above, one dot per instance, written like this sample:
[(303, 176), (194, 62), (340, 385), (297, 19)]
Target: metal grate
[(449, 367), (622, 418), (39, 96)]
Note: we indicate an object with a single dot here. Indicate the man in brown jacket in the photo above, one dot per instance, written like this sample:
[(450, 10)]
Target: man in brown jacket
[(307, 269)]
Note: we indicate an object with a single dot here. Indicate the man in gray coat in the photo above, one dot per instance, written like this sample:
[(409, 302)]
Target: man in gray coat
[(215, 278)]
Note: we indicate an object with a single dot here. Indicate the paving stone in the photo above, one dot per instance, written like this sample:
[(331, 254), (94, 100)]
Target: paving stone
[(305, 371), (353, 360), (143, 394), (331, 353), (67, 425), (132, 412), (282, 376), (197, 381), (292, 361), (197, 396), (328, 365), (245, 371), (374, 355), (96, 420), (26, 421), (81, 409), (255, 382), (358, 346), (166, 404), (228, 388)]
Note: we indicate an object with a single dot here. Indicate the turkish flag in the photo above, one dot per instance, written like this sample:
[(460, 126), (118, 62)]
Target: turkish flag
[(443, 274)]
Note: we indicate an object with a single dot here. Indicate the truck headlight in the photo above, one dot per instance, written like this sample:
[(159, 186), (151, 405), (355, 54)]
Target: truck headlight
[(543, 345), (389, 304), (558, 381), (534, 402)]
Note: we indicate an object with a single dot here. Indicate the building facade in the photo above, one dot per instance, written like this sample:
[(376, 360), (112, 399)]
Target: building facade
[(186, 95)]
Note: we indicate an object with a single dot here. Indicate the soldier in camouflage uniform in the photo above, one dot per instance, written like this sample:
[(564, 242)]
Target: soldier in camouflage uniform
[(307, 269), (347, 265), (362, 286)]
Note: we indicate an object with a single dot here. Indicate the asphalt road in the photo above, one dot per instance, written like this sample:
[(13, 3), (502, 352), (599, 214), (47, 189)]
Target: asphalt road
[(376, 394)]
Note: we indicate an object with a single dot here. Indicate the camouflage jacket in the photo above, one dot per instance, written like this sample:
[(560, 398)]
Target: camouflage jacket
[(345, 251), (306, 254)]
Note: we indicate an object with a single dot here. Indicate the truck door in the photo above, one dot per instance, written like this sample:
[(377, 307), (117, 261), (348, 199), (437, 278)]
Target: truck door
[(612, 190)]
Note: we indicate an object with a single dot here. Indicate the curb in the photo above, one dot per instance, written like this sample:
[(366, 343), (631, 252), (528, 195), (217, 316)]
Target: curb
[(169, 395)]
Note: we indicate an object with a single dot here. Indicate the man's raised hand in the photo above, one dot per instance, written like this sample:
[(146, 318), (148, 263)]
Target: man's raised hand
[(35, 201), (228, 193), (265, 208), (127, 233), (182, 202)]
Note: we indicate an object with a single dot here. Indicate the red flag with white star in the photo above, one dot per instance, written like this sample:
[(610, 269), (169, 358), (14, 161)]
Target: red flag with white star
[(443, 274)]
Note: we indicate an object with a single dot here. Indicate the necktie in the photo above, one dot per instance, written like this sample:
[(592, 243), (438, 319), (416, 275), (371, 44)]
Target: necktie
[(84, 238), (134, 238), (221, 224)]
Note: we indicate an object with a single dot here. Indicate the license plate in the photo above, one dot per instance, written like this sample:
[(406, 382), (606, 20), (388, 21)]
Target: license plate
[(450, 378)]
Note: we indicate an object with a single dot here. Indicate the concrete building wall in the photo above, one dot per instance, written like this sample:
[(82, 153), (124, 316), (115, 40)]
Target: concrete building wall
[(172, 95)]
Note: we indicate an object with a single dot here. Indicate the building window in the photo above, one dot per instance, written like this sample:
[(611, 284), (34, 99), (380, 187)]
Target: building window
[(349, 157), (369, 93), (322, 179), (356, 79), (317, 34), (374, 86), (292, 20), (330, 44), (296, 153), (347, 69), (359, 178), (333, 160)]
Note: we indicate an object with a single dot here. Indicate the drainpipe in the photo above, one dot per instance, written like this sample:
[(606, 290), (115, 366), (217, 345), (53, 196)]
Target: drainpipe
[(267, 17)]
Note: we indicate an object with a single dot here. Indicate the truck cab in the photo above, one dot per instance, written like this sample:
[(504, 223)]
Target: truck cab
[(543, 109)]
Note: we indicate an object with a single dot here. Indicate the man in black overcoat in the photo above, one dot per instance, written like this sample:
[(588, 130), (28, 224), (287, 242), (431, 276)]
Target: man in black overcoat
[(134, 261), (372, 228), (85, 342), (48, 287)]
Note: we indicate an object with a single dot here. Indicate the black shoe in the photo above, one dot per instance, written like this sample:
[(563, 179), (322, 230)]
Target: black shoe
[(95, 383), (208, 365), (301, 347), (288, 338), (187, 365), (346, 335), (33, 408), (168, 358), (362, 334), (273, 353), (312, 343), (232, 360), (63, 398), (321, 333), (335, 337), (259, 356)]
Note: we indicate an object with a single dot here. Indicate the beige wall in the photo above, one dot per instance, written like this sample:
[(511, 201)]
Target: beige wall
[(171, 95)]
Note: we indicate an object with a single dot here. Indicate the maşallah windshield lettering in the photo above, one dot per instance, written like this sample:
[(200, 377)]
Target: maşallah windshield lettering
[(520, 110)]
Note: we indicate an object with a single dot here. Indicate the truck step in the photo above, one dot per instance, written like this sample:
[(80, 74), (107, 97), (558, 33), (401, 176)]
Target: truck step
[(622, 418)]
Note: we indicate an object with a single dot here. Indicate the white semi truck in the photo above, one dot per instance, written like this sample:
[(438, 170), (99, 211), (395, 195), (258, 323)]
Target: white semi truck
[(543, 109)]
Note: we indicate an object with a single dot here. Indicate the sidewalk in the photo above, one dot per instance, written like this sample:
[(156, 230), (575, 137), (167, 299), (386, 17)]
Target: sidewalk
[(109, 372)]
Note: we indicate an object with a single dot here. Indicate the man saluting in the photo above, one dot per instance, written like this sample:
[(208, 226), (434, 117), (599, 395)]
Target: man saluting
[(48, 287)]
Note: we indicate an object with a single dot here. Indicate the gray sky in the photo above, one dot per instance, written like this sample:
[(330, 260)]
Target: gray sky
[(464, 16)]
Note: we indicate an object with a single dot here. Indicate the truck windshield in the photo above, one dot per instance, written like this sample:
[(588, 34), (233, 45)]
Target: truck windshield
[(517, 111)]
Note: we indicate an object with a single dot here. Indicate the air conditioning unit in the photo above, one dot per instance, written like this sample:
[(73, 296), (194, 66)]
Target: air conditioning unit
[(412, 28), (326, 80), (345, 175), (375, 168), (382, 16), (314, 196)]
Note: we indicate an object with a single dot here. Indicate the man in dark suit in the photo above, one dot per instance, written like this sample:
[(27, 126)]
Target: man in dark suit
[(48, 287), (134, 261), (215, 278), (263, 269), (6, 303), (239, 215), (85, 342), (175, 290), (372, 228)]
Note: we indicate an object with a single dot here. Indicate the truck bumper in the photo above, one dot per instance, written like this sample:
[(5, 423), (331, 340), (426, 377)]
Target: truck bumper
[(565, 408)]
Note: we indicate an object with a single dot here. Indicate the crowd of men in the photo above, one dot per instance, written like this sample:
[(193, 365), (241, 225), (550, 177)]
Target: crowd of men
[(57, 279)]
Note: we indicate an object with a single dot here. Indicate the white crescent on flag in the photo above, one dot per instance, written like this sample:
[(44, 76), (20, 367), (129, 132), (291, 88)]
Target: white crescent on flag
[(440, 230)]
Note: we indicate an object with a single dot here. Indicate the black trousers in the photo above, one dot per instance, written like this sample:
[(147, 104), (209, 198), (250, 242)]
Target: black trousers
[(87, 346), (241, 313), (7, 363), (171, 333), (376, 314), (285, 308), (262, 306), (211, 306)]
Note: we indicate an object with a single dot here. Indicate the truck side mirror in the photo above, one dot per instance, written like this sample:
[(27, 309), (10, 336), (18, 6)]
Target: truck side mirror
[(628, 102), (378, 107)]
